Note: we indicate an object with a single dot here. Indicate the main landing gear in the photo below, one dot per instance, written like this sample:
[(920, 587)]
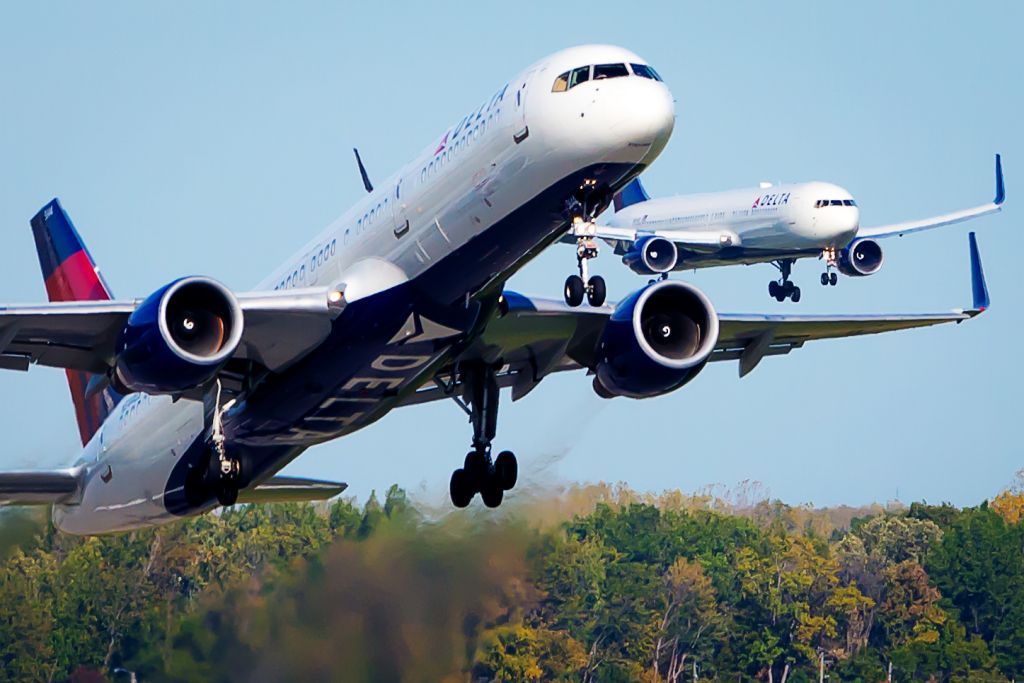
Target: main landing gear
[(829, 277), (783, 288), (579, 286), (479, 473), (224, 472)]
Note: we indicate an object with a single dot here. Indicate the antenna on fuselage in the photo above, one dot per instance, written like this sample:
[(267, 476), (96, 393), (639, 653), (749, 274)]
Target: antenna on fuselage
[(362, 171)]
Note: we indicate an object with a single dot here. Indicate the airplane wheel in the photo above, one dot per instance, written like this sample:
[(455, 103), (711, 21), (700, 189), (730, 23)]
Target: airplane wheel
[(773, 289), (506, 468), (475, 466), (596, 291), (833, 279), (492, 492), (795, 295), (824, 279), (460, 488), (227, 494), (574, 290)]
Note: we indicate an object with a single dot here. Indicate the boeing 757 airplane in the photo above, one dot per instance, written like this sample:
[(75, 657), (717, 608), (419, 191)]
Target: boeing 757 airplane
[(776, 224), (196, 395)]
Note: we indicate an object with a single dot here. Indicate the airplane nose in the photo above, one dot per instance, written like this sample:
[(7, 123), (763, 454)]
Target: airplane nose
[(641, 113)]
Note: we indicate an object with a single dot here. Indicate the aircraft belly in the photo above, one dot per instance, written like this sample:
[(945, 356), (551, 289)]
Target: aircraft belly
[(387, 345)]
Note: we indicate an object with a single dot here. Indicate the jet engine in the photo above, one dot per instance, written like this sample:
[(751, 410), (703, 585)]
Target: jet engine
[(861, 257), (179, 337), (655, 341), (651, 256)]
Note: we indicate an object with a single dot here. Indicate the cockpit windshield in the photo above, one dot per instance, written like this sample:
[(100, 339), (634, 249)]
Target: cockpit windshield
[(834, 202), (582, 74), (645, 71)]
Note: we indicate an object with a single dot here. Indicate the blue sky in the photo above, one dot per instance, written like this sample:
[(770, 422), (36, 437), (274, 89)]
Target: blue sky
[(215, 138)]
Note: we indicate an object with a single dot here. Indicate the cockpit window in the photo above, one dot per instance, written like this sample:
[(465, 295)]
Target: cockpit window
[(834, 202), (578, 76), (602, 71), (582, 74), (645, 71)]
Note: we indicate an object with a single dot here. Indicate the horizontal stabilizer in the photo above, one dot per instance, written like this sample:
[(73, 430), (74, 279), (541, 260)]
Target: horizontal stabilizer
[(39, 487), (290, 490)]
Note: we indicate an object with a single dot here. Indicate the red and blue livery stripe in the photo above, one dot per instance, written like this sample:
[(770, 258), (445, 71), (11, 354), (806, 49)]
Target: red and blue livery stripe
[(70, 274)]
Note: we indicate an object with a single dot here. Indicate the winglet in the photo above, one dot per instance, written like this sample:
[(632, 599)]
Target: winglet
[(978, 287), (362, 172), (1000, 188), (634, 193)]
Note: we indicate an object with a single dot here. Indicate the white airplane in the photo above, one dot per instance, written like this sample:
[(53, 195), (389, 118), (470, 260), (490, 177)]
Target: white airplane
[(777, 224), (196, 396)]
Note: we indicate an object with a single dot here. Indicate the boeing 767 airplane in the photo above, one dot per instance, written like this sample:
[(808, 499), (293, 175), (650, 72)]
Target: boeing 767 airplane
[(196, 395), (771, 223)]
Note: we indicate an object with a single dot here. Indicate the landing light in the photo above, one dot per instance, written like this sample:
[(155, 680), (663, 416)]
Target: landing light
[(334, 296)]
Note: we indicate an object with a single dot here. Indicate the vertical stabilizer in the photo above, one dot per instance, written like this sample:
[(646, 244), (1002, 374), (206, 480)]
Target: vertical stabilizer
[(70, 274)]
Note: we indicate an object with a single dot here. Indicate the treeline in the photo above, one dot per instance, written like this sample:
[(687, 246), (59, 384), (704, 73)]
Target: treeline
[(598, 584)]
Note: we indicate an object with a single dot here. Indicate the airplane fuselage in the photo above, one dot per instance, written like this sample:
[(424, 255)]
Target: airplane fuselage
[(418, 261), (752, 224)]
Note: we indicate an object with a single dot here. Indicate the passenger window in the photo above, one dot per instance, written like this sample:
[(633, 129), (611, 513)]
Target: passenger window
[(602, 71), (561, 83), (580, 75)]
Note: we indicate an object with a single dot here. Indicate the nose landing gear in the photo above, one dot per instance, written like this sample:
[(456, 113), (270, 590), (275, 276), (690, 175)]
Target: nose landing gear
[(783, 288), (829, 277), (585, 231), (479, 473)]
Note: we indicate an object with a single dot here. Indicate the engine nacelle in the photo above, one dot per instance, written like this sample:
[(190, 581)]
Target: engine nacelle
[(655, 341), (179, 337), (861, 257), (652, 256)]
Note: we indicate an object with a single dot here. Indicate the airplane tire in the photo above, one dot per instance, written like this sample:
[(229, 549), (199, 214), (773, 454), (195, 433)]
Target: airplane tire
[(506, 468), (795, 295), (460, 489), (227, 494), (476, 469), (596, 291), (773, 290), (492, 493), (574, 290), (824, 279), (833, 279)]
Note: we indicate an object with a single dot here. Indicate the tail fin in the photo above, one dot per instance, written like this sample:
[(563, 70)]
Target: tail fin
[(71, 274), (634, 193)]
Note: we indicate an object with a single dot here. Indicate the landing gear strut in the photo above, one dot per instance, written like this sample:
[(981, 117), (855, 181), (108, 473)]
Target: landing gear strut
[(584, 230), (783, 288), (479, 473), (224, 471), (829, 277)]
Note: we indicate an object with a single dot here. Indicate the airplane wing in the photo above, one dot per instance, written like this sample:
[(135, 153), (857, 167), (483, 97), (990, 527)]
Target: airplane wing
[(692, 240), (39, 487), (900, 229), (280, 327), (538, 337)]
